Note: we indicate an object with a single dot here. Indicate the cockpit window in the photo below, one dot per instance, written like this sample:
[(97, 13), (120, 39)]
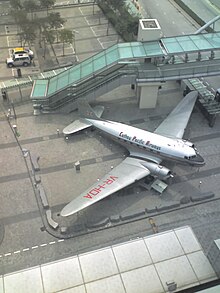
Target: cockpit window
[(190, 158)]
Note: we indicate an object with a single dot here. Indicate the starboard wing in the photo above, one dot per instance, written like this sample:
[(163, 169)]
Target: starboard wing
[(126, 173), (175, 123)]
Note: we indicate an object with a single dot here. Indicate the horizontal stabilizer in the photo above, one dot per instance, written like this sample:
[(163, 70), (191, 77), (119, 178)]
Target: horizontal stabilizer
[(76, 126), (86, 111), (82, 123)]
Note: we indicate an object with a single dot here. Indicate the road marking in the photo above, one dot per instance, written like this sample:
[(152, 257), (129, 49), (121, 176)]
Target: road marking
[(60, 240), (26, 249), (34, 247), (7, 254)]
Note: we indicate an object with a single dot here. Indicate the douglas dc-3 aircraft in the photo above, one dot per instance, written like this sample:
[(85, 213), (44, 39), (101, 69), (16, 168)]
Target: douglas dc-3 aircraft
[(146, 150)]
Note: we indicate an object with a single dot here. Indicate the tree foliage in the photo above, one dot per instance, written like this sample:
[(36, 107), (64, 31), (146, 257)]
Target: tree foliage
[(41, 28), (66, 36), (16, 4), (55, 21), (117, 13), (47, 3)]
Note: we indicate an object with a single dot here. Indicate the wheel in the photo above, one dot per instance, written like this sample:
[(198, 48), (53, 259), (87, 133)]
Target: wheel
[(25, 64), (10, 65)]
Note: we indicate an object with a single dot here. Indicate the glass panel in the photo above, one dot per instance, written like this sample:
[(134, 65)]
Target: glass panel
[(213, 39), (99, 62), (40, 87), (74, 74), (52, 85), (112, 56), (201, 42), (152, 49), (62, 80), (108, 50), (138, 50), (86, 68), (125, 52), (172, 46), (187, 45)]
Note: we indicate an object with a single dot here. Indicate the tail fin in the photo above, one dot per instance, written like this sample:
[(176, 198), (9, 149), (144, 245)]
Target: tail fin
[(86, 111)]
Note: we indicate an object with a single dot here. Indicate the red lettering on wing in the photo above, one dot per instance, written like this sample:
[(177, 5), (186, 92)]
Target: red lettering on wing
[(96, 190)]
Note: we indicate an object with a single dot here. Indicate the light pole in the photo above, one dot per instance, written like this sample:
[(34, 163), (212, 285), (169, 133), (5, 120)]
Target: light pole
[(74, 32)]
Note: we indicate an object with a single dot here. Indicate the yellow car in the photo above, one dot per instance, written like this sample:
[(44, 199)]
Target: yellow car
[(22, 50)]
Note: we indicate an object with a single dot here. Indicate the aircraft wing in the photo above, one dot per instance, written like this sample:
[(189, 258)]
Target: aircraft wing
[(76, 126), (175, 123), (126, 173), (81, 124)]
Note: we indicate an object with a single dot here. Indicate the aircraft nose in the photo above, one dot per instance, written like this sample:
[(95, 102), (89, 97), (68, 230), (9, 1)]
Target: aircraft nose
[(200, 160)]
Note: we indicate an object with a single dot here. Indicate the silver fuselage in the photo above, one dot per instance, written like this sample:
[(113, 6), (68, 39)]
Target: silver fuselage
[(145, 144)]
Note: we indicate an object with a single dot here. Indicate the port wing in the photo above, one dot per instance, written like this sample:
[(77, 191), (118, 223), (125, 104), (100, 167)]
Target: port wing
[(175, 123), (126, 173)]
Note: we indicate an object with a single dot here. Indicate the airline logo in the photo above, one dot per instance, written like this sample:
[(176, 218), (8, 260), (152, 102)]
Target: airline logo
[(96, 190), (139, 141)]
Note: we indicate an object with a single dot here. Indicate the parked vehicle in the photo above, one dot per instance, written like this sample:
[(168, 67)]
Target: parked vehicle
[(22, 50), (18, 60)]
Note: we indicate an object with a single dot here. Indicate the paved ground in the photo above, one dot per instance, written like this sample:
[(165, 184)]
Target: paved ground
[(25, 235), (25, 242)]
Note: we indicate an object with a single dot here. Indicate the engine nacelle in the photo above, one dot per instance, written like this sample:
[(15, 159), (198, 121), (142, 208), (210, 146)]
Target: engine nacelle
[(158, 170)]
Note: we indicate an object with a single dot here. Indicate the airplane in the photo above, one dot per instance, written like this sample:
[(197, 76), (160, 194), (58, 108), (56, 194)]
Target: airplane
[(146, 150)]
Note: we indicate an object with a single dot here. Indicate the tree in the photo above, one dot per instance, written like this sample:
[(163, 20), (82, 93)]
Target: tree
[(48, 37), (55, 22), (41, 24), (66, 36), (28, 34), (47, 4), (20, 17), (30, 6), (16, 4), (116, 4)]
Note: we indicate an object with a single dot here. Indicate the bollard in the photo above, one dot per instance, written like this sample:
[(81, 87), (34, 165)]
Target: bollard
[(77, 166), (19, 72)]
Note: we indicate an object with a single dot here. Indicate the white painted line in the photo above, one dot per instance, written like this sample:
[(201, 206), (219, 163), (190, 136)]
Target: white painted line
[(60, 240), (81, 11), (1, 255), (109, 42), (101, 30), (7, 254), (94, 33), (213, 89), (52, 242), (44, 244), (100, 44), (25, 249), (71, 46), (18, 251), (34, 247)]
